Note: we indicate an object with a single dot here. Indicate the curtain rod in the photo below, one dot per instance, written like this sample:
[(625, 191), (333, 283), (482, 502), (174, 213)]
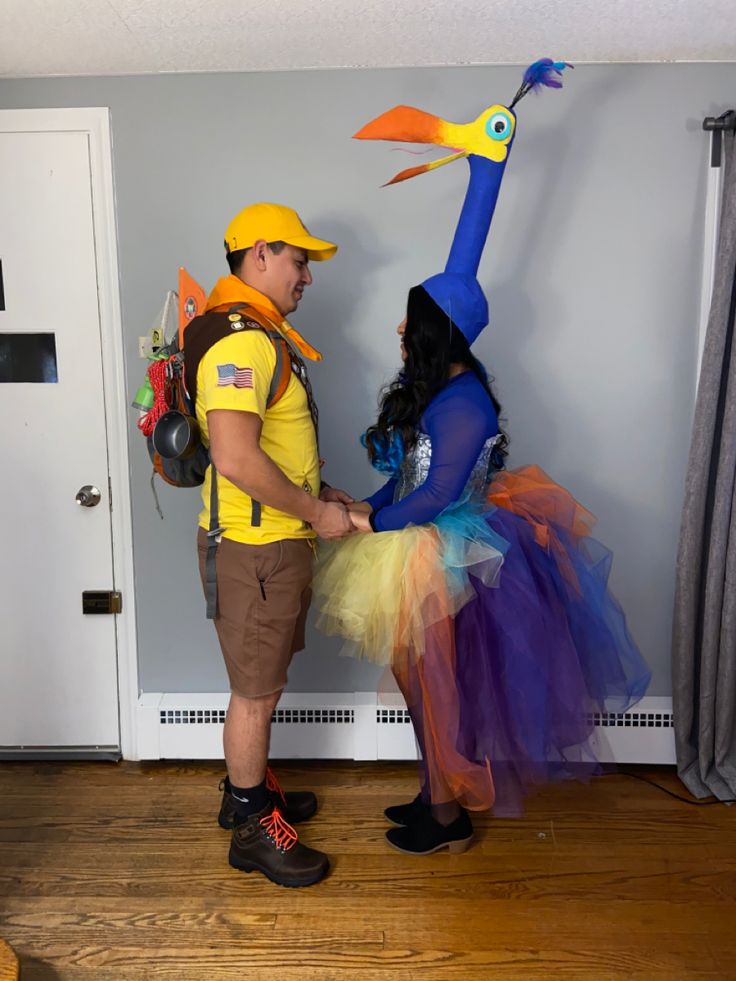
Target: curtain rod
[(717, 125)]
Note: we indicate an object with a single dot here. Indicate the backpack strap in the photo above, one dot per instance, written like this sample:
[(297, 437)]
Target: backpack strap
[(213, 534), (279, 380), (282, 371), (210, 562)]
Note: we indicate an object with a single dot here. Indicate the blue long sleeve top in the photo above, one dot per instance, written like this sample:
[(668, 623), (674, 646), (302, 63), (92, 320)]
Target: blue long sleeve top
[(458, 421)]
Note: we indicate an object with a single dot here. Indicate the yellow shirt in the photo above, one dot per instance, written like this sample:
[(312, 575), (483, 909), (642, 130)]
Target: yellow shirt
[(236, 373)]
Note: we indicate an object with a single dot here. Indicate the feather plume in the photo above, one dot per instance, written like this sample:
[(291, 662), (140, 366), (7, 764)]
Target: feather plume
[(543, 73)]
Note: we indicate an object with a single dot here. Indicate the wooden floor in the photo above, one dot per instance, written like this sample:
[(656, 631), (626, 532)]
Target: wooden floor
[(119, 872)]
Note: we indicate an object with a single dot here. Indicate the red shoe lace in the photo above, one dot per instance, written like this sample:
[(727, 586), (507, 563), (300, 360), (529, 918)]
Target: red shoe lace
[(273, 786), (279, 830)]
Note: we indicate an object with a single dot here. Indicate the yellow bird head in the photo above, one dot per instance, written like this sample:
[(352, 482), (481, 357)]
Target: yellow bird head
[(489, 136)]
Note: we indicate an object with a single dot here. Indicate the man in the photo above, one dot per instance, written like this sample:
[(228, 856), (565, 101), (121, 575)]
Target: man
[(262, 510)]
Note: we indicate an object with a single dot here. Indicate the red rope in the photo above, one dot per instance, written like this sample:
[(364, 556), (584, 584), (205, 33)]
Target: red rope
[(157, 375)]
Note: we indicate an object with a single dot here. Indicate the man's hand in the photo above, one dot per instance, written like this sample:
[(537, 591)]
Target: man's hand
[(335, 495), (360, 507), (332, 521)]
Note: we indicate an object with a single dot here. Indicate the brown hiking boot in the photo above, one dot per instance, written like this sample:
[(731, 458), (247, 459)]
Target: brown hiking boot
[(266, 843), (295, 805)]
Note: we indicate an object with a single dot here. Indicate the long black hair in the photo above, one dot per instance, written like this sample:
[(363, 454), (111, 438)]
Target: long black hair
[(432, 344)]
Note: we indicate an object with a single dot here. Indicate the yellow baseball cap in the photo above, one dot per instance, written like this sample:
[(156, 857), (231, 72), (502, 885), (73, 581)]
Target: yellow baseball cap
[(274, 223)]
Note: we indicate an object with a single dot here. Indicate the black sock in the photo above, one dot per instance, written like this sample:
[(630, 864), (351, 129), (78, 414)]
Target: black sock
[(250, 800)]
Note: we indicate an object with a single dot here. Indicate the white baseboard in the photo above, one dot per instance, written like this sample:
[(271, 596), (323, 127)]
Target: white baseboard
[(364, 726)]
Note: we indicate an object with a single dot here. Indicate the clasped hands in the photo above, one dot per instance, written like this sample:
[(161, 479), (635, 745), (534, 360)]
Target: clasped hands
[(343, 515)]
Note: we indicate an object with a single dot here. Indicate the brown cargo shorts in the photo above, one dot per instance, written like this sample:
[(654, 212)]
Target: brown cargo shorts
[(263, 596)]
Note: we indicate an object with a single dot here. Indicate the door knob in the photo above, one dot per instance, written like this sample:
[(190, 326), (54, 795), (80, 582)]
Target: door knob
[(88, 496)]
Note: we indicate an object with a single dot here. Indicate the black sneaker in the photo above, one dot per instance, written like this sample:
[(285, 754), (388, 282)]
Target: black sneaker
[(407, 813), (295, 805), (266, 843), (426, 835)]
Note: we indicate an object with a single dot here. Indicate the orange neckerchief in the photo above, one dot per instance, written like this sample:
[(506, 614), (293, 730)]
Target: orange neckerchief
[(230, 290)]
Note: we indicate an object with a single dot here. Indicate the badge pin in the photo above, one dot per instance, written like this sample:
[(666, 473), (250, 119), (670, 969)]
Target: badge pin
[(234, 318)]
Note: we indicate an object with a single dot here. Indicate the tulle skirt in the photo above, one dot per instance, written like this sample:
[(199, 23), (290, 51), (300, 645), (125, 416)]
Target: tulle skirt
[(500, 629)]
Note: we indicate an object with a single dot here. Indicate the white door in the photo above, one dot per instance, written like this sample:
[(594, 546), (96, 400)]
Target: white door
[(58, 665)]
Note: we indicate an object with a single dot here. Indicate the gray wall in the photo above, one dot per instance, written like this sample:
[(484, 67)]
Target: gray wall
[(592, 270)]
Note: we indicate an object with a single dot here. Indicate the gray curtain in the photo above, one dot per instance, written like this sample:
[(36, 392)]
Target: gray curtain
[(704, 633)]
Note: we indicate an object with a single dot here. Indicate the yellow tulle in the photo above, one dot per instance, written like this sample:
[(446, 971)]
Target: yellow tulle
[(381, 592)]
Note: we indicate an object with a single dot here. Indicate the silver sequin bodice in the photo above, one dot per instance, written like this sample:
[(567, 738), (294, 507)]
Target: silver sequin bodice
[(415, 468)]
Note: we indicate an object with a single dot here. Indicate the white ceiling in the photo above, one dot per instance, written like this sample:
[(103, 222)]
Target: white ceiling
[(112, 37)]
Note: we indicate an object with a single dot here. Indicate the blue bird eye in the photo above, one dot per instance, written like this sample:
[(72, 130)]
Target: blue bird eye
[(498, 126)]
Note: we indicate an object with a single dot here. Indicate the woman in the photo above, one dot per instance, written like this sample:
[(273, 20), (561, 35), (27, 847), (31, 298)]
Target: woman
[(482, 590)]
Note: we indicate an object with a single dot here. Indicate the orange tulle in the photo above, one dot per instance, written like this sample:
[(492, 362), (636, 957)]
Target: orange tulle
[(532, 494), (429, 687)]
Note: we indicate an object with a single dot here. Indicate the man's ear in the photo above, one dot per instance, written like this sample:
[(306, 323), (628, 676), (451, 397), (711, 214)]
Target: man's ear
[(260, 253)]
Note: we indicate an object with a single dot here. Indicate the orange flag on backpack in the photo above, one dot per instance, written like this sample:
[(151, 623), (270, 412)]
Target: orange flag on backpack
[(192, 301)]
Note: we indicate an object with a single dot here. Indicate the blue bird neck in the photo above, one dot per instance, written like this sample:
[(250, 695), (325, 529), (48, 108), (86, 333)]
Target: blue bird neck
[(475, 217)]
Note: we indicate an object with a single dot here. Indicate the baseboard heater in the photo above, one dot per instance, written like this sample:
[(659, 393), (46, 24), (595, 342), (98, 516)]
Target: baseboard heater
[(365, 726)]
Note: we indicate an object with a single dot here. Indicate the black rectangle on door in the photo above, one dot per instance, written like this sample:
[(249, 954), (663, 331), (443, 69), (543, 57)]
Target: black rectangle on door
[(28, 358)]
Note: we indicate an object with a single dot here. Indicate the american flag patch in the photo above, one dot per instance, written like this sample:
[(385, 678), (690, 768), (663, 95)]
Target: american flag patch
[(230, 374)]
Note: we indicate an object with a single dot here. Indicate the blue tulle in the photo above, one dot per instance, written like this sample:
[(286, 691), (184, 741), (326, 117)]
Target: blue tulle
[(466, 535)]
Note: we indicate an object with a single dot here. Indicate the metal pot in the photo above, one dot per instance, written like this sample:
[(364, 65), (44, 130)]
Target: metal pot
[(175, 435)]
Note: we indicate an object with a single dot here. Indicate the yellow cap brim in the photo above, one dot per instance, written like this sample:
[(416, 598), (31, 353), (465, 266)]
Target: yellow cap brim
[(316, 248)]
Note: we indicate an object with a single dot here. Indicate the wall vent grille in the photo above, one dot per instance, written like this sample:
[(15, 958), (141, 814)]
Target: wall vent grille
[(189, 717), (633, 720), (310, 716), (386, 716), (326, 716), (398, 716)]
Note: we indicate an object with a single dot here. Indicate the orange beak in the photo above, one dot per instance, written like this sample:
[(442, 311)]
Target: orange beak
[(404, 124)]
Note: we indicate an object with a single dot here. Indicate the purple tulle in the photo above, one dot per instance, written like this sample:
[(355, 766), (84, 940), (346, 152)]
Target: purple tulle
[(535, 657)]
